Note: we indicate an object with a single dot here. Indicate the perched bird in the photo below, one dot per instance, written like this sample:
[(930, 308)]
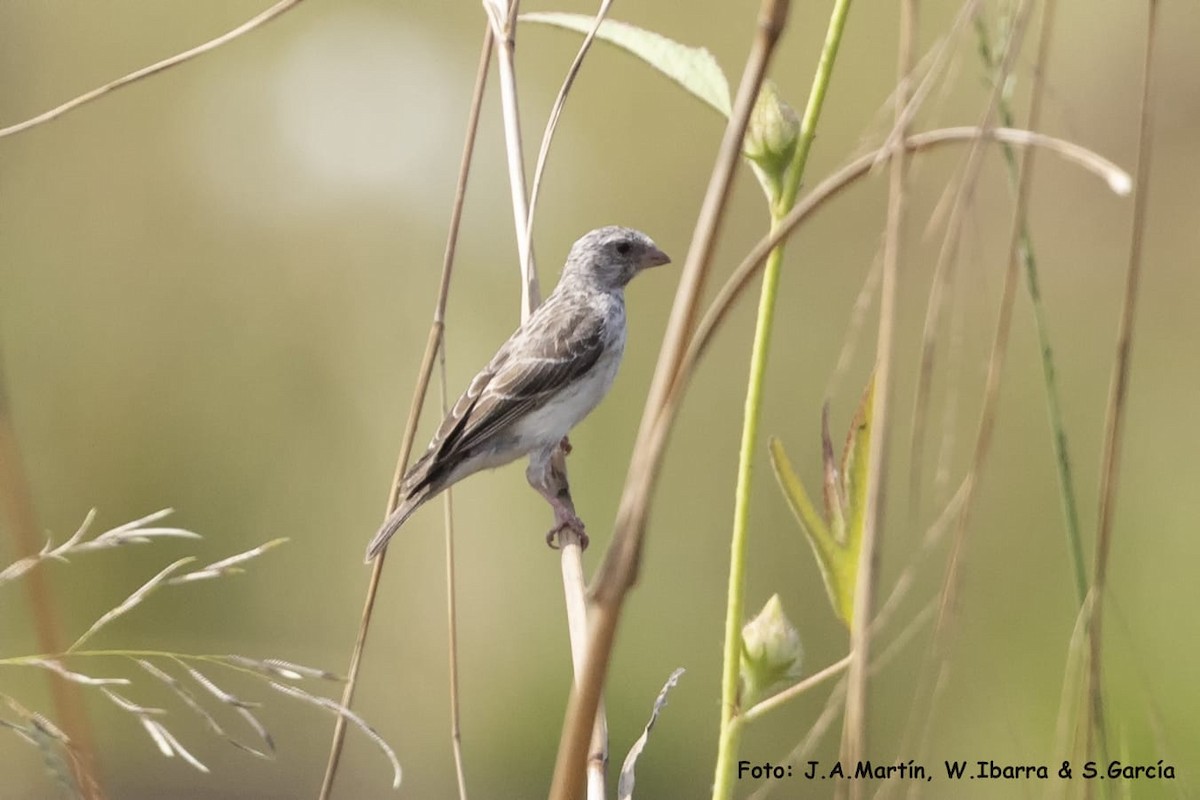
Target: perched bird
[(547, 377)]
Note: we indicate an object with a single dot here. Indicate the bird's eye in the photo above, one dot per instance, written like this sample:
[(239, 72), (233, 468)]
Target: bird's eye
[(623, 248)]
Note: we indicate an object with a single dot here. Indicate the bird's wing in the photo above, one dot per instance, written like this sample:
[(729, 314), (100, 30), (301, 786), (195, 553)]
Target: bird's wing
[(556, 348)]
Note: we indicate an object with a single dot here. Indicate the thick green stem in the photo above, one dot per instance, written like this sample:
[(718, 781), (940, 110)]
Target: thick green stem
[(731, 722)]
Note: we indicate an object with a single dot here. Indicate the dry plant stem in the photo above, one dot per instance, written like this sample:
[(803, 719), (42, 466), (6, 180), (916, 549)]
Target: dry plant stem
[(574, 584), (504, 31), (854, 725), (153, 69), (570, 546), (432, 344), (1118, 389), (618, 572), (948, 601), (556, 112), (452, 609), (795, 690), (16, 501), (948, 255)]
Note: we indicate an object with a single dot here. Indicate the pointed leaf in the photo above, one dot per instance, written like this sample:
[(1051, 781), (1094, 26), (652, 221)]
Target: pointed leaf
[(693, 68), (834, 499), (838, 567), (855, 461)]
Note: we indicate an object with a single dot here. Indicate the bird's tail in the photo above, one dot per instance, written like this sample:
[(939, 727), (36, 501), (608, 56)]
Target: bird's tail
[(393, 523)]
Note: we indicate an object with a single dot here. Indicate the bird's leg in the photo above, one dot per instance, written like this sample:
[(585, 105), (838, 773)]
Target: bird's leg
[(565, 446), (547, 473)]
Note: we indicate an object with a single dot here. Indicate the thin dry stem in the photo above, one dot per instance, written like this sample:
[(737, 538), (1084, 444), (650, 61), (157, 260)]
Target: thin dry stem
[(943, 272), (432, 344), (504, 32), (555, 112), (854, 730), (153, 69), (569, 542), (947, 604), (1118, 390), (795, 690), (618, 572), (574, 585)]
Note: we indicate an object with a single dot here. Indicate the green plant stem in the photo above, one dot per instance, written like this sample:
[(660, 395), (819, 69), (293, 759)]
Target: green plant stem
[(1058, 430), (731, 726)]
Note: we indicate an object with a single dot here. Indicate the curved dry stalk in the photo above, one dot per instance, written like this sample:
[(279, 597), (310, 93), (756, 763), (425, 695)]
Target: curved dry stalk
[(556, 112), (618, 571), (153, 69), (1114, 423), (854, 726), (432, 344), (1117, 180)]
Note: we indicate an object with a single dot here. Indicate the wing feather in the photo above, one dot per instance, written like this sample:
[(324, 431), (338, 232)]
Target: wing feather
[(559, 345)]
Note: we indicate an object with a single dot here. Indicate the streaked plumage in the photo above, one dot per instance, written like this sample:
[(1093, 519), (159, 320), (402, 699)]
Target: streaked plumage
[(547, 377)]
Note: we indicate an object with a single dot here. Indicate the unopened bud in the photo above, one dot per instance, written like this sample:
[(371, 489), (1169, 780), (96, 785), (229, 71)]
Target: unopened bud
[(771, 652), (771, 136)]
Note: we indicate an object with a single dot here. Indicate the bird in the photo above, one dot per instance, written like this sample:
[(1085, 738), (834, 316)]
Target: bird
[(550, 374)]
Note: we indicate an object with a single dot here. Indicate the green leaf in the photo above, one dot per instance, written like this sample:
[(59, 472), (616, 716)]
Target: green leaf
[(693, 68), (829, 552), (855, 459), (837, 550)]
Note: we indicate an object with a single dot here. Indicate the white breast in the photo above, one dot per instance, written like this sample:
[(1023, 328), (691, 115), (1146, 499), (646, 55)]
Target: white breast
[(554, 420)]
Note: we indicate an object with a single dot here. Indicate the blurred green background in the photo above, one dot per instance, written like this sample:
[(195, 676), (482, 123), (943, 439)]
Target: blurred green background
[(215, 288)]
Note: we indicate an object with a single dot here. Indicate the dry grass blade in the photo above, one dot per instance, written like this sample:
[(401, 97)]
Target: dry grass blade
[(347, 714), (130, 602), (129, 533), (210, 721), (432, 346), (1114, 424), (216, 691), (133, 708), (279, 668), (75, 677), (226, 566), (145, 72), (626, 781)]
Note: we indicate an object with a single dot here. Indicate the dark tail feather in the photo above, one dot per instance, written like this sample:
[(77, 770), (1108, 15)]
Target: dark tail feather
[(394, 521)]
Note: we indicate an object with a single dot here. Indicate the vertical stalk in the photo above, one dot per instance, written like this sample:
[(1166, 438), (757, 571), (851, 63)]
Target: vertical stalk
[(730, 736), (1115, 419), (854, 730)]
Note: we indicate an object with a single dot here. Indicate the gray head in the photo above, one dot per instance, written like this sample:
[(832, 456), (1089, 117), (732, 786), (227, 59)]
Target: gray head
[(610, 257)]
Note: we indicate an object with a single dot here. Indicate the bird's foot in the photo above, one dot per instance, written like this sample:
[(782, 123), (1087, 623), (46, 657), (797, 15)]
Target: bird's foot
[(566, 521), (565, 444)]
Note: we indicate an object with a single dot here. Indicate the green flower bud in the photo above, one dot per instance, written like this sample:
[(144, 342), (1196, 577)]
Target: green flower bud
[(771, 652), (771, 138)]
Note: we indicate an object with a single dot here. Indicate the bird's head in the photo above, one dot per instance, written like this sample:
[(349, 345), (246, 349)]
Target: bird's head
[(610, 257)]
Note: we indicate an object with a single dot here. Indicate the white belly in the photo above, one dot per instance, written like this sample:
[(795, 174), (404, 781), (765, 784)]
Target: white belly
[(551, 422)]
